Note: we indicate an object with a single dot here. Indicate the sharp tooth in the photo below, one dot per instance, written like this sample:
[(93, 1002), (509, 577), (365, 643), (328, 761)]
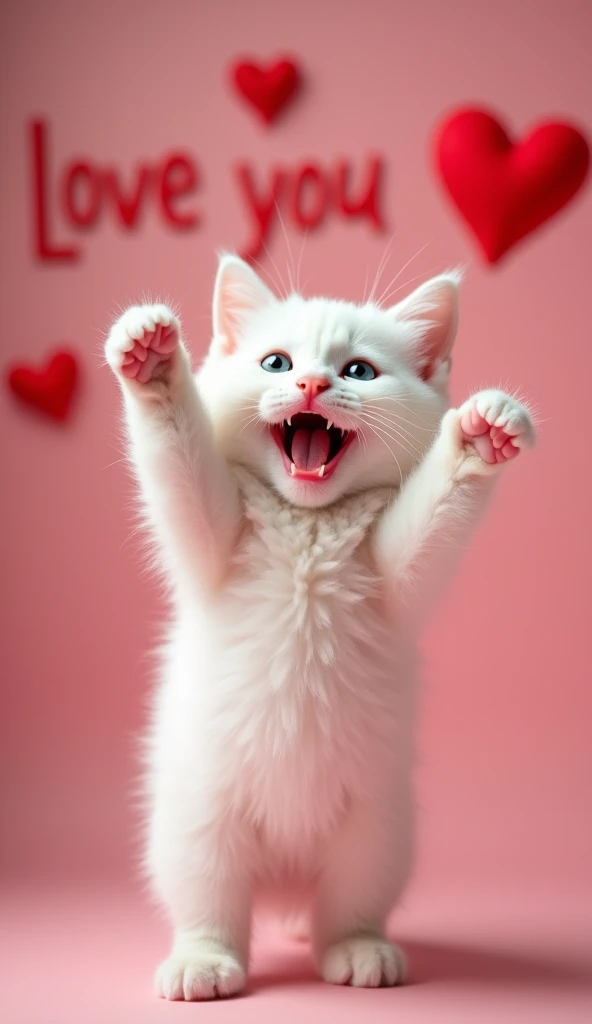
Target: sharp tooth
[(329, 424), (292, 469), (289, 421), (322, 470)]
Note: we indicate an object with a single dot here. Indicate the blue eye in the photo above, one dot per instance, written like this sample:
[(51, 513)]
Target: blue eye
[(277, 362), (359, 370)]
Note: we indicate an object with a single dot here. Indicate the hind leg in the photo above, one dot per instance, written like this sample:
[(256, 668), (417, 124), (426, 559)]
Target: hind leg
[(202, 876), (363, 878)]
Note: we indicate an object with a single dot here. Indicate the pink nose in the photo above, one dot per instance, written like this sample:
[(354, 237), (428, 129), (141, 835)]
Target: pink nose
[(312, 386)]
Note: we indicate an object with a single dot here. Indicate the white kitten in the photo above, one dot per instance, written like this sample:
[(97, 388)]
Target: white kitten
[(302, 491)]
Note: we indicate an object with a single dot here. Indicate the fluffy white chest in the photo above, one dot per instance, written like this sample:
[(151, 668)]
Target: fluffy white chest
[(305, 590), (304, 661)]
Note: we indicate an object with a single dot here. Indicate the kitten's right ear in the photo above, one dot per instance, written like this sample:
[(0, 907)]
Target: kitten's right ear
[(238, 293)]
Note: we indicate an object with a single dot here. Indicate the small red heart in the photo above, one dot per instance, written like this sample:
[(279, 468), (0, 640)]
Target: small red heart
[(505, 189), (268, 89), (50, 390)]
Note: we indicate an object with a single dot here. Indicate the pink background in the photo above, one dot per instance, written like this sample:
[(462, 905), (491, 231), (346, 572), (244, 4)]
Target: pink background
[(504, 782)]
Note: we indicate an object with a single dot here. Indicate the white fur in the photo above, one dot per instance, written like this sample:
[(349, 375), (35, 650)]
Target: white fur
[(281, 747)]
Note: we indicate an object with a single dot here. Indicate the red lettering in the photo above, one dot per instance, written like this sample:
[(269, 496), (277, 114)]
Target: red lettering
[(262, 207), (178, 178), (366, 204), (127, 206), (312, 180), (43, 247), (81, 181)]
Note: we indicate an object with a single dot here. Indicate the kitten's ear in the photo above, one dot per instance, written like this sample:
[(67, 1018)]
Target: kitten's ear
[(430, 316), (238, 292)]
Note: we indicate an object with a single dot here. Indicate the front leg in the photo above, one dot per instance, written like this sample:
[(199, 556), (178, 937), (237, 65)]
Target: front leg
[(418, 537), (191, 500)]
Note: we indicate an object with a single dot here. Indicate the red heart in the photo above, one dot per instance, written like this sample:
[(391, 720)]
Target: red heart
[(506, 189), (267, 89), (49, 390)]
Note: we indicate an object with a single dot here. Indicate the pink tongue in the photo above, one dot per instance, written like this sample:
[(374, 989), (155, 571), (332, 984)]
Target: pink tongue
[(310, 449)]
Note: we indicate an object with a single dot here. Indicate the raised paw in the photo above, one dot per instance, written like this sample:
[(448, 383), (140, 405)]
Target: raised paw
[(365, 961), (496, 425), (141, 344), (209, 973)]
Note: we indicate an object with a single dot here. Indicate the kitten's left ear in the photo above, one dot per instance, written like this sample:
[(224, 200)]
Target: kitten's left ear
[(430, 316), (238, 293)]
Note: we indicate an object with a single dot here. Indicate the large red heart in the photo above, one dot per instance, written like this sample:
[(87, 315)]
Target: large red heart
[(506, 189), (50, 390), (267, 89)]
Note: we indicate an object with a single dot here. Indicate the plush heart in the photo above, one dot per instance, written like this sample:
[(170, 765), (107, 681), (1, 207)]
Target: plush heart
[(50, 390), (267, 89), (505, 189)]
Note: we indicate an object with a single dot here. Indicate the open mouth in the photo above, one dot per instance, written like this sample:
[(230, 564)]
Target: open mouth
[(311, 446)]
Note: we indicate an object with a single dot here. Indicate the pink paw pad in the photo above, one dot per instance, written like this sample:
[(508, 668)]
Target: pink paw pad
[(153, 347), (495, 444)]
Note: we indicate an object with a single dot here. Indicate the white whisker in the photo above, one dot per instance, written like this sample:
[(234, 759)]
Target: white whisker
[(252, 419), (280, 288), (285, 291), (300, 261), (289, 265), (397, 420), (360, 336), (381, 266), (404, 267), (380, 421), (117, 462), (398, 437), (401, 402), (362, 437), (388, 448), (393, 291)]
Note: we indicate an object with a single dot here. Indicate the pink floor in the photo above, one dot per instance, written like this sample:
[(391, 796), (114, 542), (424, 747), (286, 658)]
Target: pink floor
[(74, 956)]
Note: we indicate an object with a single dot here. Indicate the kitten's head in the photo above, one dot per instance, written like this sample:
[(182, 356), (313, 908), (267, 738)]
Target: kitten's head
[(322, 398)]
